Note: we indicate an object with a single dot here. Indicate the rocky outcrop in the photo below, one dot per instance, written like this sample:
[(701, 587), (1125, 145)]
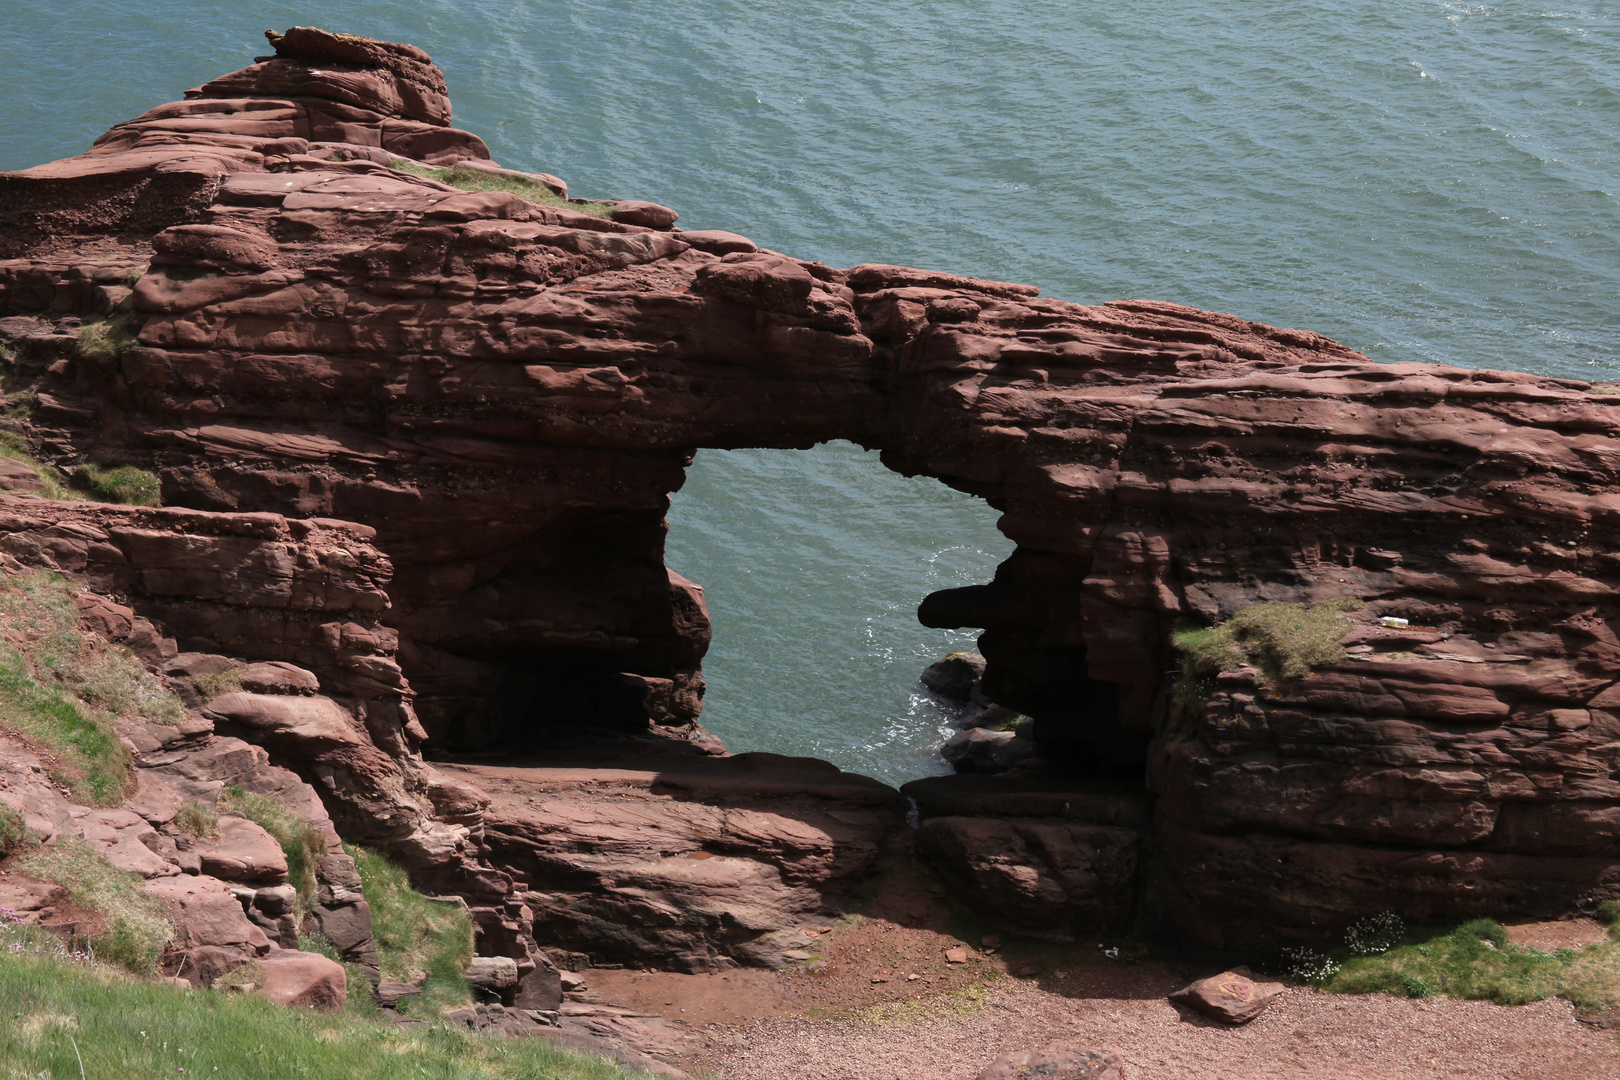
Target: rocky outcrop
[(691, 862), (503, 393)]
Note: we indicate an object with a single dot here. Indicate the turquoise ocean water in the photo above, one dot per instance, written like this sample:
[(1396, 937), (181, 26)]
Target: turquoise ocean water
[(1420, 179)]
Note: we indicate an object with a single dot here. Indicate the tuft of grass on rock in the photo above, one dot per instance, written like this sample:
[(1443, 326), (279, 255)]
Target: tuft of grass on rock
[(136, 924), (15, 835), (104, 340), (303, 846), (212, 684), (1284, 641), (58, 1013), (531, 190), (1476, 960), (416, 936), (196, 820), (119, 484), (15, 447)]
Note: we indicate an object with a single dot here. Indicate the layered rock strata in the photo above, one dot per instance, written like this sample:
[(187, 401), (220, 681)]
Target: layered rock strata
[(691, 862), (507, 392)]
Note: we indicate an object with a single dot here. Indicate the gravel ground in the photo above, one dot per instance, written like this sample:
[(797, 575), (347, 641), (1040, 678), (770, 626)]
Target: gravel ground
[(1304, 1035)]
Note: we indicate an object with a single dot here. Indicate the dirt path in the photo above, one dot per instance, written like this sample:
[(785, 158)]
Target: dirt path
[(853, 1011), (1305, 1035)]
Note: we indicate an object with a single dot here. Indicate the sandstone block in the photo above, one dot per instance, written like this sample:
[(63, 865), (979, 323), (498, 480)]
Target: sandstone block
[(303, 980), (1230, 997)]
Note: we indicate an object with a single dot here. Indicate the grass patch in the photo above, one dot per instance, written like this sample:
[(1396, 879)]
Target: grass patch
[(416, 937), (104, 340), (137, 924), (15, 835), (1476, 960), (22, 405), (126, 1029), (1284, 641), (15, 447), (110, 677), (531, 190), (196, 820), (91, 763), (303, 846), (214, 683), (121, 484)]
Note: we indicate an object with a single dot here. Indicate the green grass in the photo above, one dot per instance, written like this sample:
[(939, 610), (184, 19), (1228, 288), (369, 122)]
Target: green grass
[(212, 684), (104, 340), (303, 846), (22, 404), (58, 1013), (137, 924), (196, 820), (91, 763), (1476, 960), (119, 484), (1284, 641), (106, 676), (99, 481), (15, 447), (15, 835), (416, 936), (533, 191)]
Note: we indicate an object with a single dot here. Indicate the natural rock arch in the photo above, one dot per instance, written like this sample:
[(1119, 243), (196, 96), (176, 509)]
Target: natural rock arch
[(502, 393)]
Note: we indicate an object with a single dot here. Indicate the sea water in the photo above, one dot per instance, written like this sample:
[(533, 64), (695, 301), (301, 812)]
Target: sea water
[(1419, 179)]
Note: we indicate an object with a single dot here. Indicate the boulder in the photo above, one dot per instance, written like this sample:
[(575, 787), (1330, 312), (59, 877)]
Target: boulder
[(496, 974), (718, 241), (646, 214), (303, 980), (982, 750), (1231, 997), (955, 676), (16, 476), (305, 726), (276, 677), (243, 852), (1058, 1061), (207, 913), (125, 839)]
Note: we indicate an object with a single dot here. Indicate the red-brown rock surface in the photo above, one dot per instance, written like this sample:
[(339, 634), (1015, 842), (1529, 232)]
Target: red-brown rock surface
[(507, 392), (1231, 997), (689, 861)]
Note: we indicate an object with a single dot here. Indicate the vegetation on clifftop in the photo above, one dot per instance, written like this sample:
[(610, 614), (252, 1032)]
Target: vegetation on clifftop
[(61, 691), (1284, 641), (135, 925), (60, 1012), (531, 190), (418, 939)]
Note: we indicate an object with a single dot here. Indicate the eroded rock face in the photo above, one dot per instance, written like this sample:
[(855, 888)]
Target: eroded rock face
[(690, 862), (507, 393)]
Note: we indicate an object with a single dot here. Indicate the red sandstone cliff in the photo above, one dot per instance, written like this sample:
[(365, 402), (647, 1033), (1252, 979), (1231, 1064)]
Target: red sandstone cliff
[(503, 394)]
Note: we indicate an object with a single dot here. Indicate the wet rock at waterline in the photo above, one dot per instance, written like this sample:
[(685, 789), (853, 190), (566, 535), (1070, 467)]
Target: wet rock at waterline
[(955, 677)]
